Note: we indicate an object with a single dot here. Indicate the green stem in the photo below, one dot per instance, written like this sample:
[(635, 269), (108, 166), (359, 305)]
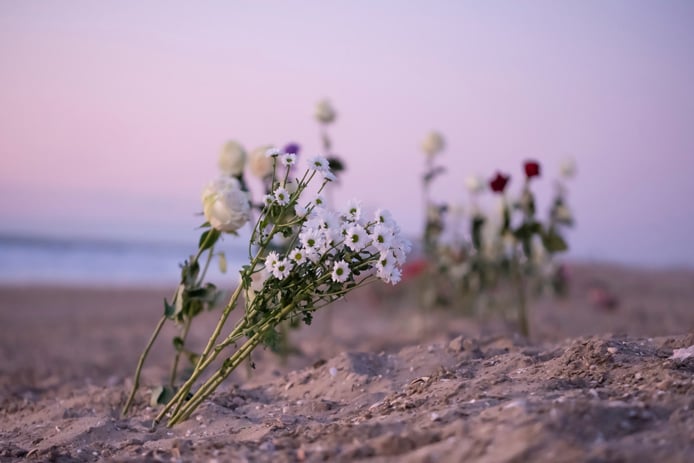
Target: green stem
[(520, 288), (174, 368), (229, 366), (140, 364)]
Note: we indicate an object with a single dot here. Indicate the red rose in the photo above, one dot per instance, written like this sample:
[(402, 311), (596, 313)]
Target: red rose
[(499, 182), (532, 169)]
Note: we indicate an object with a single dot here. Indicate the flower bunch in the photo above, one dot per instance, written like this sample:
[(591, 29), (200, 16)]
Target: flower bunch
[(510, 244), (328, 254)]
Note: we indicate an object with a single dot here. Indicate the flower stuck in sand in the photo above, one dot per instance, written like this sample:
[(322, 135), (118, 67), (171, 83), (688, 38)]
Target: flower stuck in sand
[(328, 254)]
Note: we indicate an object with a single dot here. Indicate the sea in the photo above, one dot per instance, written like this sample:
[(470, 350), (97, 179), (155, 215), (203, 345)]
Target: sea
[(27, 260)]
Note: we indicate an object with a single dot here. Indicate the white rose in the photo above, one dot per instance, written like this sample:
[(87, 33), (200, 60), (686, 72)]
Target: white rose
[(474, 184), (259, 163), (325, 113), (433, 144), (225, 204), (567, 169), (232, 158)]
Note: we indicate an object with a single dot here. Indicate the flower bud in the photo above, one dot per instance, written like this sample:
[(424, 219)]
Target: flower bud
[(433, 144), (325, 113), (474, 184), (225, 204), (567, 169), (498, 182), (259, 163), (232, 159), (532, 169)]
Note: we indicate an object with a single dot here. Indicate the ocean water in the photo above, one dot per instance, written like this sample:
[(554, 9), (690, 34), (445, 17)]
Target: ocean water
[(97, 262)]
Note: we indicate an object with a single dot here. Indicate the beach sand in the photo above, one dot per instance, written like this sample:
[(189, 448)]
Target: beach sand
[(375, 378)]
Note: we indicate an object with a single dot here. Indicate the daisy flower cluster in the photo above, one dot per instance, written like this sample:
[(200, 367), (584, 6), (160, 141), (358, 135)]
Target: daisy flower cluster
[(327, 253)]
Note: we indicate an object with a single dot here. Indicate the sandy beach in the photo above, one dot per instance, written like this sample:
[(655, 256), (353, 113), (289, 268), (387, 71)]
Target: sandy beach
[(376, 379)]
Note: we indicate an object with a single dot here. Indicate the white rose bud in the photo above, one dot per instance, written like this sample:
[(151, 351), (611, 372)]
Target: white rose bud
[(259, 163), (433, 144), (325, 113), (563, 214), (474, 184), (225, 204), (232, 159), (567, 169)]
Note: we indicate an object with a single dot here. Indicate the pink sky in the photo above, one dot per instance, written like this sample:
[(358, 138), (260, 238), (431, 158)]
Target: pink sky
[(112, 113)]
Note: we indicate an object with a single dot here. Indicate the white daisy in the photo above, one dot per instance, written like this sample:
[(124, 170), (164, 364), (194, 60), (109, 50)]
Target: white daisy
[(271, 260), (281, 196), (288, 159), (298, 256), (340, 272), (311, 238), (272, 152), (353, 211), (319, 164), (381, 237), (268, 200), (357, 238), (282, 268)]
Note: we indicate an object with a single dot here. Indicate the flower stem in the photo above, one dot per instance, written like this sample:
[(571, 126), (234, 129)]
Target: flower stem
[(140, 363), (230, 364), (174, 368), (188, 321), (520, 288)]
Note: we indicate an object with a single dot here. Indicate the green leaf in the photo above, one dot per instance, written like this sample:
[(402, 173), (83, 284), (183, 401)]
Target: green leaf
[(178, 301), (169, 310), (160, 395), (209, 238), (554, 242), (477, 224), (178, 343), (433, 173), (336, 164)]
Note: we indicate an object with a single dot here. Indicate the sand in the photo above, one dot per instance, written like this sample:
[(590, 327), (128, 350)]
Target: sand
[(377, 379)]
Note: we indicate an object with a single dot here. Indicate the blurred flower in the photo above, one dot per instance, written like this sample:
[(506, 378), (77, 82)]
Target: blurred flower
[(232, 158), (474, 184), (561, 213), (292, 148), (225, 204), (325, 113), (433, 144), (260, 163), (567, 169), (499, 182), (532, 169)]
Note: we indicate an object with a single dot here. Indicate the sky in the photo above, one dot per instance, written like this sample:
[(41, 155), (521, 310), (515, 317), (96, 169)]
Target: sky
[(112, 113)]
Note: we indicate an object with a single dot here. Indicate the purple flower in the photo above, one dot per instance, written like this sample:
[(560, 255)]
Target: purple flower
[(292, 148)]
